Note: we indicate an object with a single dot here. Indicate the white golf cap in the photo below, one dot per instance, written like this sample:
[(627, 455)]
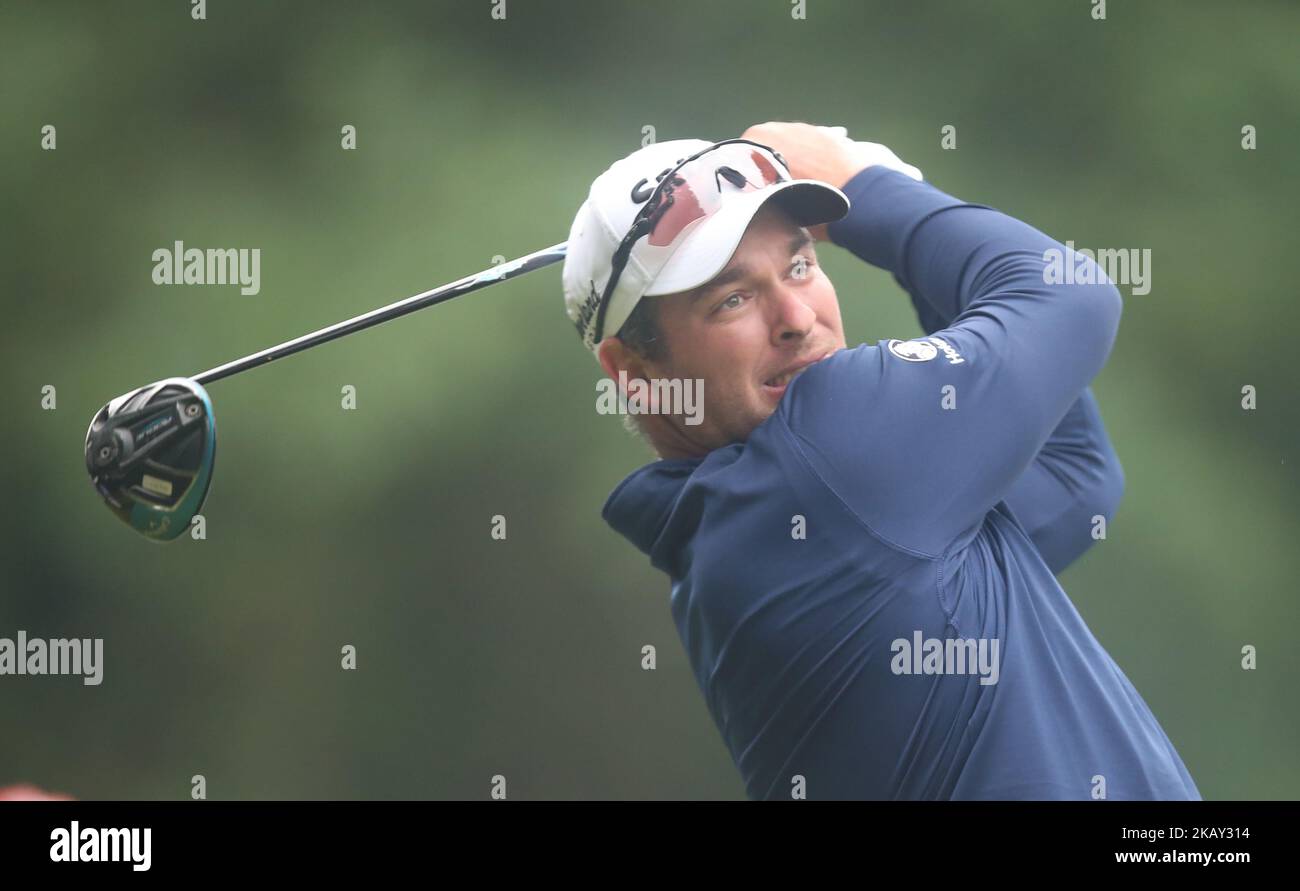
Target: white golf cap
[(687, 234)]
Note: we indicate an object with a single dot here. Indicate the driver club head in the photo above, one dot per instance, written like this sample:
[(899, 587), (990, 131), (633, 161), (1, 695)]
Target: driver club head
[(149, 453)]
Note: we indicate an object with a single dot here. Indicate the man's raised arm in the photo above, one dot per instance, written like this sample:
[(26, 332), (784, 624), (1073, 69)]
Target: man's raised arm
[(922, 438), (1075, 477)]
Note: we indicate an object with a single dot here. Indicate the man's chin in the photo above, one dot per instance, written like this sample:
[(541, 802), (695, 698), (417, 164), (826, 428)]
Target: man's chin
[(762, 412), (707, 437)]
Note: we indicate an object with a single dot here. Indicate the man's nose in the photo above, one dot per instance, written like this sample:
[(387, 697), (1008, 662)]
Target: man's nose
[(794, 317)]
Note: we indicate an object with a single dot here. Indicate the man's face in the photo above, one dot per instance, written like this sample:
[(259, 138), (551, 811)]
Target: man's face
[(770, 312)]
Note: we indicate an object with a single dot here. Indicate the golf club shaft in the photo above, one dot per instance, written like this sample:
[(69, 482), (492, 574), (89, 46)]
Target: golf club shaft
[(490, 276)]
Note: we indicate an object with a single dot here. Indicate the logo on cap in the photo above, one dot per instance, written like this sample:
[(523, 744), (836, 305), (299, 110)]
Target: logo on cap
[(587, 312)]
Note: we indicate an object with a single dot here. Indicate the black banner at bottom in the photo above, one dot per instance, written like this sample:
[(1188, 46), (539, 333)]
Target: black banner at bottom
[(212, 839)]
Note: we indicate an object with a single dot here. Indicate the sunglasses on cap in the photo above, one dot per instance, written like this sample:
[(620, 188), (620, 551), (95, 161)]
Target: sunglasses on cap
[(686, 193)]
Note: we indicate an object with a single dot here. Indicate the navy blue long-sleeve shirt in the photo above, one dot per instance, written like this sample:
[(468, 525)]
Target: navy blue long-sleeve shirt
[(834, 576)]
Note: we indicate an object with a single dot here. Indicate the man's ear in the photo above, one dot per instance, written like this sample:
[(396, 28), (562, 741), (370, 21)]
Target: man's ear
[(616, 356)]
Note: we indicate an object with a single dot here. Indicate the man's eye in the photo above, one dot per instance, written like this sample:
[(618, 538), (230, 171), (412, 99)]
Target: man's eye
[(732, 301), (801, 267)]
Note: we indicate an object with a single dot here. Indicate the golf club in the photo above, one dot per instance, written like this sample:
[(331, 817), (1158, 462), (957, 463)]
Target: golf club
[(150, 451)]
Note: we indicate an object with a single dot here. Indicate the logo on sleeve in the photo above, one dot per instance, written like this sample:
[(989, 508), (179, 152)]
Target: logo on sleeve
[(924, 350), (913, 350), (954, 357)]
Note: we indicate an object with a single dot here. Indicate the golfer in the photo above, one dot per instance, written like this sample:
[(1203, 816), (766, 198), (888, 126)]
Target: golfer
[(862, 542)]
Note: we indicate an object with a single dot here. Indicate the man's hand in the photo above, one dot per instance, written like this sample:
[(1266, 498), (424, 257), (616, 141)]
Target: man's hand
[(28, 792), (824, 153)]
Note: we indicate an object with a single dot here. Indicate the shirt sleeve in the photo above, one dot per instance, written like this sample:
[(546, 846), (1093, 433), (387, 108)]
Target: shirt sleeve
[(921, 438), (1075, 478)]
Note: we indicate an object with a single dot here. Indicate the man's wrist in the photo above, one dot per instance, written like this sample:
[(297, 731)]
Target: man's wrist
[(857, 188), (885, 207)]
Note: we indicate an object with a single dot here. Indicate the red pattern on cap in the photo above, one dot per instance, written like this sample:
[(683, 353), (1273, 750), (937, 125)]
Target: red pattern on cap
[(685, 210), (765, 167)]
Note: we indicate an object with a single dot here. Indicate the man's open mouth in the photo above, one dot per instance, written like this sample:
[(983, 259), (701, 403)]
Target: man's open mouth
[(783, 379), (791, 373)]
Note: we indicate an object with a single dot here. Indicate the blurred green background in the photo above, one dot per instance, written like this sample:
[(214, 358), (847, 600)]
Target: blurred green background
[(479, 138)]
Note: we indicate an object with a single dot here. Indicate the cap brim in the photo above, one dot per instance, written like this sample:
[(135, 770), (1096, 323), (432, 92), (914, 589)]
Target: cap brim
[(707, 250)]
